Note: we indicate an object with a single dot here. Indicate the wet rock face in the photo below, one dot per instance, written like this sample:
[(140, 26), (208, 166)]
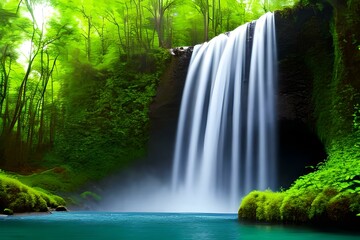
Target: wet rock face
[(303, 37), (164, 111), (299, 32)]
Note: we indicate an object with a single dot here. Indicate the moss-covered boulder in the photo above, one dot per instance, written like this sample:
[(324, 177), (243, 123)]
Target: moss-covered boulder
[(8, 211), (262, 206), (19, 197)]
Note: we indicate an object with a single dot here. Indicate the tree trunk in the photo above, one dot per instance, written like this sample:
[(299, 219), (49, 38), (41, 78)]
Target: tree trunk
[(206, 25)]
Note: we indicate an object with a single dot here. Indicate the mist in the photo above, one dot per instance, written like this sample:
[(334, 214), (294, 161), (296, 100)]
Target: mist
[(151, 192)]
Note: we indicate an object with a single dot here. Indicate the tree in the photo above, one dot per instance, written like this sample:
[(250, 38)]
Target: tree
[(203, 7), (7, 57), (158, 10)]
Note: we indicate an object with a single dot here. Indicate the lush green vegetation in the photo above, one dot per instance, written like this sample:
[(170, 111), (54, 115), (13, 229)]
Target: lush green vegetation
[(332, 192)]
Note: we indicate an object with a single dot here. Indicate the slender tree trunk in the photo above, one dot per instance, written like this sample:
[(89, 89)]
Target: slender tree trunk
[(6, 115), (127, 32), (213, 22), (112, 19), (87, 33), (89, 39), (41, 102), (206, 25), (52, 115)]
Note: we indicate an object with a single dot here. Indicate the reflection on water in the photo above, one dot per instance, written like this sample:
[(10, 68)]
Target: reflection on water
[(100, 225)]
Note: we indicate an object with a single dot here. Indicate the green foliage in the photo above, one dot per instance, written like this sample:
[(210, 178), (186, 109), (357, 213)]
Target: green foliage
[(110, 129), (356, 115)]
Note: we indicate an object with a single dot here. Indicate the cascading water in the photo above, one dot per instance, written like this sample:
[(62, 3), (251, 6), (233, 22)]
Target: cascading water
[(226, 136)]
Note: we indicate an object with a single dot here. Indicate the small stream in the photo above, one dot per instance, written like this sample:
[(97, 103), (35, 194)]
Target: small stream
[(172, 226)]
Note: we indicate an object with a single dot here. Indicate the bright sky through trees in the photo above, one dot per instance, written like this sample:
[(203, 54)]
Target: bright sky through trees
[(42, 13)]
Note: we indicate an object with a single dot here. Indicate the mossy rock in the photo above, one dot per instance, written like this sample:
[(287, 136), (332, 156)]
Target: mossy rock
[(8, 211), (272, 206), (318, 206), (61, 209), (343, 206), (248, 206), (21, 198), (262, 206), (296, 206)]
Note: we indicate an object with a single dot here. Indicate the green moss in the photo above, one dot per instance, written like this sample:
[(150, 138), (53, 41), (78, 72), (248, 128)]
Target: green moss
[(343, 206), (296, 206), (268, 206), (272, 206), (8, 211), (249, 205), (263, 206), (320, 203), (22, 198), (58, 179)]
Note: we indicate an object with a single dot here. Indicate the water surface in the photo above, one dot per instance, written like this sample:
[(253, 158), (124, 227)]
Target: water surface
[(173, 226)]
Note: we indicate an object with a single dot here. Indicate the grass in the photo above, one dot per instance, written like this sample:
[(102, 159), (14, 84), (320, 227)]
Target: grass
[(56, 179)]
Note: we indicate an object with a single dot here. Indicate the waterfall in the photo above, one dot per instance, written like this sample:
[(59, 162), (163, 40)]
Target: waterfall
[(226, 135)]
